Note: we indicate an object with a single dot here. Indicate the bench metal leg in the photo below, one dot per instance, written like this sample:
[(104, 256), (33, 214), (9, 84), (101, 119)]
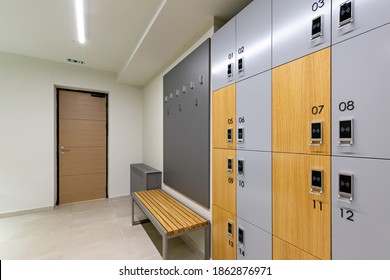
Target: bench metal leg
[(164, 247), (134, 223), (207, 242)]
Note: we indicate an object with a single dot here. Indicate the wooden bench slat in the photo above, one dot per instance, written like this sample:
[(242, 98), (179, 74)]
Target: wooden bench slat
[(155, 212), (168, 210), (191, 214), (170, 213), (167, 213), (191, 218)]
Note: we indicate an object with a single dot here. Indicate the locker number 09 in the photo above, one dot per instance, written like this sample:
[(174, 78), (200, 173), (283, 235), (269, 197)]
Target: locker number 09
[(317, 5)]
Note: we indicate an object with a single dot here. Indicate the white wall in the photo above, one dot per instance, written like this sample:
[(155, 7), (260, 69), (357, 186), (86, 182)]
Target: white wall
[(153, 135), (28, 128)]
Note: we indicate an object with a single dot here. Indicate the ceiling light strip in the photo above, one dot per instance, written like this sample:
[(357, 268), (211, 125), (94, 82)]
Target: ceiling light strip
[(80, 21)]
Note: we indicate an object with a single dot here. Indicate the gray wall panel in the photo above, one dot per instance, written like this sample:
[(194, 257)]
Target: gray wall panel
[(292, 26), (253, 112), (363, 231), (253, 39), (360, 74), (187, 127), (257, 244), (254, 190), (366, 14)]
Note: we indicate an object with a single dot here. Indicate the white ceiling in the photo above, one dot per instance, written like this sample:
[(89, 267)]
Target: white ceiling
[(135, 39)]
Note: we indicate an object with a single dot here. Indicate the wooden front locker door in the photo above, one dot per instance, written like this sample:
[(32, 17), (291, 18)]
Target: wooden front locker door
[(285, 251), (223, 234), (82, 146), (300, 96), (301, 214), (224, 179), (224, 117)]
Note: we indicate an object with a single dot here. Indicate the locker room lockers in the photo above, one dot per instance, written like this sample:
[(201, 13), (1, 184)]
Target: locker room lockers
[(361, 97), (299, 28), (253, 39), (224, 117), (242, 47), (360, 214), (301, 202), (301, 105), (253, 243), (328, 105), (355, 17), (254, 188), (224, 234), (253, 113), (285, 251), (224, 179)]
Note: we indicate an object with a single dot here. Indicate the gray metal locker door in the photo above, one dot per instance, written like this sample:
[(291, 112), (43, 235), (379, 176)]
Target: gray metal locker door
[(253, 44), (223, 45), (360, 95), (253, 113), (252, 242), (361, 226), (254, 195), (300, 27), (354, 17)]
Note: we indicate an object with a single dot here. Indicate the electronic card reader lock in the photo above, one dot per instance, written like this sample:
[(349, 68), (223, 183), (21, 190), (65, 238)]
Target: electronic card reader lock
[(240, 167), (229, 135), (345, 13), (316, 180), (316, 27), (345, 187), (229, 71), (230, 229), (316, 133), (345, 133), (240, 65), (240, 135), (240, 237), (229, 165)]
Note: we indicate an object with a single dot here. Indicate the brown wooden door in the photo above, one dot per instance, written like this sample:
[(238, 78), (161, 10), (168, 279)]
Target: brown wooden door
[(82, 152)]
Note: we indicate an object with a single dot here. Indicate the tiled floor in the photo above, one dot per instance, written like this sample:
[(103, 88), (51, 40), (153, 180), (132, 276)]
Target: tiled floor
[(95, 230)]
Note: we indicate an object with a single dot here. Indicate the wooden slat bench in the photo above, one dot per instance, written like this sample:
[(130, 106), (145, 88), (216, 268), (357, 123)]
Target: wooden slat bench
[(170, 217)]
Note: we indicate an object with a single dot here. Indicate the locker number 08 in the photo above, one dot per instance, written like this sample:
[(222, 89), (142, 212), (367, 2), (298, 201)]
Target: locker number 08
[(317, 5)]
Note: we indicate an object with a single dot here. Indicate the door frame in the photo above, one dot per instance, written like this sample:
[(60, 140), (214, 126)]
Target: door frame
[(57, 128)]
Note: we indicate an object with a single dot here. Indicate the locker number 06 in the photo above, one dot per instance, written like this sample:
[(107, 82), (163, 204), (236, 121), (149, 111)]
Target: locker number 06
[(317, 5)]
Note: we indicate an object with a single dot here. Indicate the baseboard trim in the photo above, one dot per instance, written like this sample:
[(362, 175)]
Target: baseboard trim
[(24, 212)]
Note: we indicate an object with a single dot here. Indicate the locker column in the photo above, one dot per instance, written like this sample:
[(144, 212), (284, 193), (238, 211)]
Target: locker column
[(301, 127), (224, 143), (253, 136), (360, 141)]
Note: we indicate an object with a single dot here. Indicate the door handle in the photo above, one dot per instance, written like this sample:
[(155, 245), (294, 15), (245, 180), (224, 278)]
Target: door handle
[(62, 148)]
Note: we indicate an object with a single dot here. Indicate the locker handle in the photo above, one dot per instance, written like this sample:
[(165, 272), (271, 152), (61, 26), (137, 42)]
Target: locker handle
[(312, 191)]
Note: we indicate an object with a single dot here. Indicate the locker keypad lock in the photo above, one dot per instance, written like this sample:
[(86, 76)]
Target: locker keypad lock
[(230, 229), (316, 27), (240, 237), (240, 65), (345, 187), (240, 167), (345, 132), (315, 133), (229, 135), (230, 165), (345, 14), (229, 71), (316, 180), (240, 135)]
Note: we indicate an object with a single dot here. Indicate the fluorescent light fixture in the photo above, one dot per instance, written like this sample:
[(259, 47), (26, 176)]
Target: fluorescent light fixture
[(80, 21)]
